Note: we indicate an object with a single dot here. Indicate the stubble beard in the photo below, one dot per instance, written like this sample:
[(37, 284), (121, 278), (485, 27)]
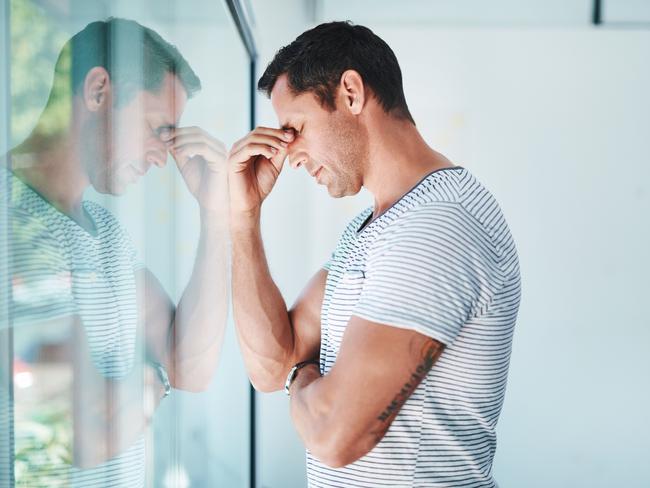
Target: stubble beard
[(96, 156), (353, 157)]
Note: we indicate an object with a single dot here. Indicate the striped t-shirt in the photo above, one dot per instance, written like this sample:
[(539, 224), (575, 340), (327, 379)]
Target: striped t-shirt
[(440, 261), (58, 270)]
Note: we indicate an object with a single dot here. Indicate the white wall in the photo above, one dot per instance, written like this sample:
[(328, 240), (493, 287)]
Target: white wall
[(556, 122)]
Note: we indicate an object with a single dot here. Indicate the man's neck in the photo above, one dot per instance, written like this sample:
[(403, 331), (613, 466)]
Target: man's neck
[(52, 167), (399, 158)]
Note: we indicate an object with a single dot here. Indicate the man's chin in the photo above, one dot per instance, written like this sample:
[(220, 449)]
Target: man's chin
[(114, 189), (119, 191), (336, 192)]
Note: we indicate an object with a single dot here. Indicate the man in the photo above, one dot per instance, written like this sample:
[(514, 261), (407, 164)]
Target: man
[(119, 91), (395, 356)]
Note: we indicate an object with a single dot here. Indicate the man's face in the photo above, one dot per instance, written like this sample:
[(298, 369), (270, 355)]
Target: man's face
[(120, 144), (332, 146)]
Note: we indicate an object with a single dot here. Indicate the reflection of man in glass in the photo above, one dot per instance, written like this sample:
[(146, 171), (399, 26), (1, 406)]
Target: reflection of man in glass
[(397, 352), (119, 91)]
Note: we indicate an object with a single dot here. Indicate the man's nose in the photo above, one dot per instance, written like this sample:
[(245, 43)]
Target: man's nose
[(296, 160), (157, 156), (156, 152), (295, 154)]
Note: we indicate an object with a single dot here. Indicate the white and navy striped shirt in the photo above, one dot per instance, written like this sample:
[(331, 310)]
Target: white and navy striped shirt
[(59, 270), (441, 261)]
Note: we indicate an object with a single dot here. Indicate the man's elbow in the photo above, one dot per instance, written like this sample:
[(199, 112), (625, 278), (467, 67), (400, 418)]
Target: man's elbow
[(266, 375), (197, 380), (193, 386), (337, 451), (265, 383), (336, 459)]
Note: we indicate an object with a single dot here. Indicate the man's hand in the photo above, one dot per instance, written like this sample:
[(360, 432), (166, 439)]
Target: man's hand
[(254, 164), (201, 159)]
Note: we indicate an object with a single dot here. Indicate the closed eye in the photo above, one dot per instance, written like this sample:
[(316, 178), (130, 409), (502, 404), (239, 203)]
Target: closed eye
[(159, 130), (289, 127)]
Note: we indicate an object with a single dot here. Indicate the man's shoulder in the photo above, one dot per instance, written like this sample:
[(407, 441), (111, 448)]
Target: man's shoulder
[(423, 222), (455, 198)]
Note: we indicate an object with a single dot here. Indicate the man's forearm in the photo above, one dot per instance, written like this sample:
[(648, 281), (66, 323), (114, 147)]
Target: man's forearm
[(324, 422), (200, 318), (308, 411), (263, 324)]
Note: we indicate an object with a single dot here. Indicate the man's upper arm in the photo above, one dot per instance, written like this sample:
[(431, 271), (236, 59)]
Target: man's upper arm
[(377, 369), (305, 317)]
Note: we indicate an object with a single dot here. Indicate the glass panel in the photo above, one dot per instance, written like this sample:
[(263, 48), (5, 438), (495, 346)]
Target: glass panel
[(6, 406), (114, 245)]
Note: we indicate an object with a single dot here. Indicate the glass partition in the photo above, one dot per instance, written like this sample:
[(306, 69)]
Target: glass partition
[(119, 362)]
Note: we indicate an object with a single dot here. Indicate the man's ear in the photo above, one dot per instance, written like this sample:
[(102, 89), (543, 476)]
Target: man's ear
[(97, 89), (353, 91)]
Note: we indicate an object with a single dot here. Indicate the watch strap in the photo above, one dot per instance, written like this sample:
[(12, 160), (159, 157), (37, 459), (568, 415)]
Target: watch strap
[(293, 372), (163, 377)]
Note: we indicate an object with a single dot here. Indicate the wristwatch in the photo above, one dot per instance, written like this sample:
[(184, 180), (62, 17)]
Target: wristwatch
[(163, 377), (293, 372)]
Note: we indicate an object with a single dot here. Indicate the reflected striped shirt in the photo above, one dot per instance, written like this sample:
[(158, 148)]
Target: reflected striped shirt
[(58, 270), (441, 261)]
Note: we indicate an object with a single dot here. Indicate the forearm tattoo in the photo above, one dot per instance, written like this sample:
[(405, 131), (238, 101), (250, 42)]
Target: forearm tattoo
[(428, 354)]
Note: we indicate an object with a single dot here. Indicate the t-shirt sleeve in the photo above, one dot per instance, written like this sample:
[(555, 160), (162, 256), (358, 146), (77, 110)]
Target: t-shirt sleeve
[(328, 264), (430, 271)]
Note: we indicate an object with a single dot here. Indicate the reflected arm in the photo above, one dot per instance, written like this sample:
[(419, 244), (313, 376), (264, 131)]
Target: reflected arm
[(187, 339), (110, 415)]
